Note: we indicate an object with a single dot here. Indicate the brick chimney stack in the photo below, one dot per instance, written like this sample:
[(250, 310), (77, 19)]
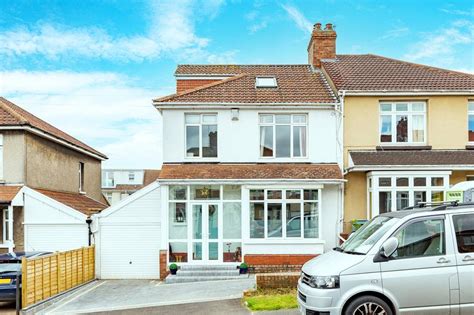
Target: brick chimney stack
[(322, 44)]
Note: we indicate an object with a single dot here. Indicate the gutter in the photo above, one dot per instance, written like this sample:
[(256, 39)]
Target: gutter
[(408, 92), (251, 181), (367, 168)]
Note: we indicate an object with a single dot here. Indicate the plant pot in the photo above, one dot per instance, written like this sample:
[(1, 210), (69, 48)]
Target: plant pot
[(243, 271), (173, 271)]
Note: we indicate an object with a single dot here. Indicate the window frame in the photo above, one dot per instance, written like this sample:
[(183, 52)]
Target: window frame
[(199, 125), (1, 157), (292, 124), (393, 113), (82, 170), (470, 112)]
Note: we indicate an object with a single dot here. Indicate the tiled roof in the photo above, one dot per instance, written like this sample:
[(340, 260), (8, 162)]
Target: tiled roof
[(13, 115), (150, 176), (7, 193), (412, 157), (376, 73), (250, 171), (79, 202), (298, 84)]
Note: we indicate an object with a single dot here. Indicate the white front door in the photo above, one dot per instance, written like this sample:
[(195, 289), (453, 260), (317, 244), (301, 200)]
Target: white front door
[(205, 232)]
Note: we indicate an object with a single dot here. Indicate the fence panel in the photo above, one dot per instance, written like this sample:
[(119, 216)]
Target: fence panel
[(46, 276)]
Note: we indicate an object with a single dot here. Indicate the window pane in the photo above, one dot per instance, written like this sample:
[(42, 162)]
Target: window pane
[(293, 194), (274, 220), (299, 119), (419, 181), (213, 250), (299, 141), (385, 202), (209, 141), (401, 107), (177, 192), (402, 200), (197, 251), (209, 119), (232, 220), (385, 182), (200, 192), (267, 119), (421, 239), (471, 128), (464, 227), (418, 107), (232, 251), (257, 225), (257, 194), (310, 194), (178, 227), (420, 196), (266, 141), (293, 220), (418, 128), (197, 222), (232, 192), (402, 128), (386, 107), (437, 181), (402, 182), (193, 119), (282, 119), (386, 129), (437, 196), (311, 220), (283, 141), (178, 252), (274, 194), (471, 106), (192, 141)]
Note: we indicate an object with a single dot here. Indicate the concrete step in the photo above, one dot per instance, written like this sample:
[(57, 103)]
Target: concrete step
[(207, 267), (177, 279), (207, 273)]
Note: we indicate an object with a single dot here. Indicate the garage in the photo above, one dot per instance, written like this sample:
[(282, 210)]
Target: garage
[(128, 237)]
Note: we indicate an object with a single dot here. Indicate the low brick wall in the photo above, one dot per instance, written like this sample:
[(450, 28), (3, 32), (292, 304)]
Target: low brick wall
[(163, 264), (277, 280), (276, 263)]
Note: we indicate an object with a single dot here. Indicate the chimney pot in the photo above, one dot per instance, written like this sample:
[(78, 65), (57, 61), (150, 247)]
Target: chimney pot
[(317, 26), (329, 27)]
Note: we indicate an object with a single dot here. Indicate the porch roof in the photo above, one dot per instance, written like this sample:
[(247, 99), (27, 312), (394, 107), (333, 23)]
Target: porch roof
[(255, 171), (77, 201), (7, 193)]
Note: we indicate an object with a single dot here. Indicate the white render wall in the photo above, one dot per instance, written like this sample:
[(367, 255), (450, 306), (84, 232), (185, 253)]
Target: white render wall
[(238, 141)]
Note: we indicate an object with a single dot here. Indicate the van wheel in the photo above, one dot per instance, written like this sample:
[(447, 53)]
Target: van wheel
[(368, 305)]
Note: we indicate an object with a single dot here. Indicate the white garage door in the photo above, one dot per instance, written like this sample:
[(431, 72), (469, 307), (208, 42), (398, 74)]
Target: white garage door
[(130, 251), (55, 237)]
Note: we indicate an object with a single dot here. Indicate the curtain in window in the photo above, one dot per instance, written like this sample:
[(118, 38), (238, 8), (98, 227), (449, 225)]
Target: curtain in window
[(266, 141), (299, 141), (418, 128)]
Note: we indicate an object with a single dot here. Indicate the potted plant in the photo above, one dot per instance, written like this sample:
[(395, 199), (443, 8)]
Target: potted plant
[(173, 269), (243, 268)]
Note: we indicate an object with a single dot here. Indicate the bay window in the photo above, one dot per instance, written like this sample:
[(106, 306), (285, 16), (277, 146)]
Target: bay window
[(283, 135), (470, 127), (403, 123), (284, 213), (201, 135)]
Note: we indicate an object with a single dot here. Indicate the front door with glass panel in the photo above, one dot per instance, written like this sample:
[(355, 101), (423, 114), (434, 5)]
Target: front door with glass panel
[(204, 232)]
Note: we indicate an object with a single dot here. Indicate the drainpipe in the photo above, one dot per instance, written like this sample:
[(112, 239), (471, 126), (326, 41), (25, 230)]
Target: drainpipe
[(89, 222), (342, 95)]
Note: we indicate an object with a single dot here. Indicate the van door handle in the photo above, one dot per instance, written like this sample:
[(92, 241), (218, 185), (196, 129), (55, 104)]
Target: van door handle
[(468, 258), (443, 261)]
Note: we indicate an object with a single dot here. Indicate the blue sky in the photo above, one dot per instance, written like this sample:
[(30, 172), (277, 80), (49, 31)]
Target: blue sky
[(92, 67)]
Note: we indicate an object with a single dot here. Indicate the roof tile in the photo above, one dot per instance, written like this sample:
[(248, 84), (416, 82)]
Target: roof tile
[(7, 193)]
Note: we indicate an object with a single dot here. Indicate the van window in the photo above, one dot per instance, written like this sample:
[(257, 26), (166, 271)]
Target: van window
[(421, 238), (464, 227)]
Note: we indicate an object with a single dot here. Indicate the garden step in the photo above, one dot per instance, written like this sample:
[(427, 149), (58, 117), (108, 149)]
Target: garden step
[(182, 279), (207, 273), (207, 267)]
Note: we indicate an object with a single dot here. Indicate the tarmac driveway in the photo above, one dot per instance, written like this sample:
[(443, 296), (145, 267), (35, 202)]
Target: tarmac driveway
[(111, 295)]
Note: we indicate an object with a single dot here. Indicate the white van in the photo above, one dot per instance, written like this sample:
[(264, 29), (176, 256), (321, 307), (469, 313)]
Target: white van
[(418, 261)]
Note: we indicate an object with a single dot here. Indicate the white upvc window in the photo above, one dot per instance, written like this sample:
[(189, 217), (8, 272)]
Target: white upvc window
[(1, 157), (402, 123), (470, 121), (81, 176), (278, 213), (393, 191), (201, 135), (283, 135)]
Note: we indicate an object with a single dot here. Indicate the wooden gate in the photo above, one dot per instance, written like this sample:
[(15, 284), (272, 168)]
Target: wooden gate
[(46, 276)]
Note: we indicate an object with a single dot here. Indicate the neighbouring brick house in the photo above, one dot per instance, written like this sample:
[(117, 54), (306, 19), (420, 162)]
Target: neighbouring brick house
[(49, 184)]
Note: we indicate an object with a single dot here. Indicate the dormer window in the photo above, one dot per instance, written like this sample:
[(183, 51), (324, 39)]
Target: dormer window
[(266, 82)]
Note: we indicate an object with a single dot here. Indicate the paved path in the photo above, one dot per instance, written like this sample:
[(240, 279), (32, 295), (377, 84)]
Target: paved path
[(115, 295)]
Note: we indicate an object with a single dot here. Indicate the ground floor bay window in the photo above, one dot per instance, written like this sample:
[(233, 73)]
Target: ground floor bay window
[(392, 191)]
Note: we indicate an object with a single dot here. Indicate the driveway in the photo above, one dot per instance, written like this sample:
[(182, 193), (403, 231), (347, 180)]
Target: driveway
[(112, 295)]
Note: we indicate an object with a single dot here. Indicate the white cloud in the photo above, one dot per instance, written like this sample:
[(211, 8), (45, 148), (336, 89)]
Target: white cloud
[(396, 32), (171, 29), (441, 46), (458, 12), (103, 109), (301, 21)]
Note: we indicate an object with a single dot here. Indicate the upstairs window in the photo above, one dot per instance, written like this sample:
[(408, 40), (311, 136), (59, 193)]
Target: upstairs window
[(283, 135), (201, 135), (470, 127), (403, 123), (131, 176), (1, 156), (81, 176)]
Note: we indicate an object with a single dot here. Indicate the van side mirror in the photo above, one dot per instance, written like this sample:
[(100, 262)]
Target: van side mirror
[(388, 248)]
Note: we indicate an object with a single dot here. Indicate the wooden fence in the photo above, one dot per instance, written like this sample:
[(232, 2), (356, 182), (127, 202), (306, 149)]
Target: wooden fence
[(46, 276)]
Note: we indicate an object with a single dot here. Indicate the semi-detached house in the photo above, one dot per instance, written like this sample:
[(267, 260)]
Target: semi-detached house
[(268, 164)]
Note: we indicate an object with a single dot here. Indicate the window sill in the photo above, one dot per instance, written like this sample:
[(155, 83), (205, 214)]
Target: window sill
[(395, 147), (470, 146)]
